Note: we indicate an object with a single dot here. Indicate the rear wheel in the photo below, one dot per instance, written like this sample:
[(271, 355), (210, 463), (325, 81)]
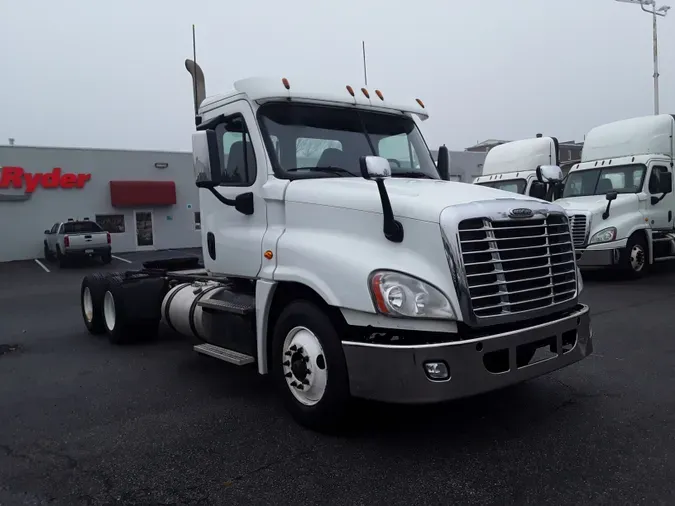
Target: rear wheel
[(106, 258), (309, 367), (131, 309), (92, 291), (47, 253), (61, 258)]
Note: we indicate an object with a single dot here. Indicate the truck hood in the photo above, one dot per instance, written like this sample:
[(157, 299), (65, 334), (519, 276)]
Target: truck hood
[(596, 204), (420, 199)]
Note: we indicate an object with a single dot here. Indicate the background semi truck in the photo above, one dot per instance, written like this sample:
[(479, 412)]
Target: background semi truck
[(512, 166), (620, 196), (355, 272)]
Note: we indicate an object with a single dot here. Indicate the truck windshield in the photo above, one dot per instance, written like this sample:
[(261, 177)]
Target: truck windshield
[(600, 180), (509, 185), (302, 138)]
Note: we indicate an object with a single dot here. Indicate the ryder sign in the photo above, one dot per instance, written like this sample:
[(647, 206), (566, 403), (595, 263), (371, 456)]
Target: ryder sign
[(17, 178)]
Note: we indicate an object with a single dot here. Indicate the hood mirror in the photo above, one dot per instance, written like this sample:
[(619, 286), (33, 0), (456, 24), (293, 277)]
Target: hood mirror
[(611, 195), (377, 169)]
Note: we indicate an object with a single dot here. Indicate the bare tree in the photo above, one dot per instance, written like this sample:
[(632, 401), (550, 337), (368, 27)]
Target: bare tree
[(312, 148)]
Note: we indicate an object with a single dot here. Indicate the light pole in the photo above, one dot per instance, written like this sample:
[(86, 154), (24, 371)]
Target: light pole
[(654, 11)]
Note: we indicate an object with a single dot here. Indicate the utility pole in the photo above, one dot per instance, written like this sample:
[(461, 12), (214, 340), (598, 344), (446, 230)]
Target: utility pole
[(654, 11)]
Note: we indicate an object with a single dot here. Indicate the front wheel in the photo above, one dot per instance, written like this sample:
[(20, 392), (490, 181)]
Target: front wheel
[(634, 259), (309, 367)]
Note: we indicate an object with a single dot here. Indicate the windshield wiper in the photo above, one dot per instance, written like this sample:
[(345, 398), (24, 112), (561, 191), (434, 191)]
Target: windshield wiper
[(415, 174), (331, 170)]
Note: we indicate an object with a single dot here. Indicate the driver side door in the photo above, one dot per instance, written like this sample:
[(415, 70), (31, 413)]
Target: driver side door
[(231, 240), (660, 215)]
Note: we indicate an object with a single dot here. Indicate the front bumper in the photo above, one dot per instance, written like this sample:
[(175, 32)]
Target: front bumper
[(396, 373), (600, 255)]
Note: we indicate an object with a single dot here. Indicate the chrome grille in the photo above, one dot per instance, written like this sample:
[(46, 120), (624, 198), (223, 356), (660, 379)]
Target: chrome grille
[(578, 224), (513, 266)]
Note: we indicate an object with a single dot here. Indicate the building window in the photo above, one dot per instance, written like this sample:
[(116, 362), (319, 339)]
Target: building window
[(198, 220), (113, 223)]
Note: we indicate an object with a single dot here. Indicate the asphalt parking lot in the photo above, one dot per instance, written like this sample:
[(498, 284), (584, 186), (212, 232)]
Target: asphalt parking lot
[(85, 422)]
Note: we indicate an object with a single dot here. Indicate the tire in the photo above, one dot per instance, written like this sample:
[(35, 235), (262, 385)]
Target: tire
[(106, 258), (323, 409), (61, 258), (47, 253), (131, 309), (92, 291), (629, 261)]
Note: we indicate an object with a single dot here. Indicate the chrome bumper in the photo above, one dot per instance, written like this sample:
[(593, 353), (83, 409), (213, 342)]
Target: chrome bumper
[(396, 373), (598, 258)]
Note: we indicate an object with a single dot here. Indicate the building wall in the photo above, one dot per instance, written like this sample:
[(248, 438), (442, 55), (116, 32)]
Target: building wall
[(22, 222)]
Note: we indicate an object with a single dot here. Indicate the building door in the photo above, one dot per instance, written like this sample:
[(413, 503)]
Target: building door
[(145, 239)]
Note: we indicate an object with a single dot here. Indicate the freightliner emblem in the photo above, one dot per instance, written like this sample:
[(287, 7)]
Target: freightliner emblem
[(521, 212)]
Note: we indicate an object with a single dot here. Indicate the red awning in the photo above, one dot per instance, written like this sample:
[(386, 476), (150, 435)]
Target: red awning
[(142, 193)]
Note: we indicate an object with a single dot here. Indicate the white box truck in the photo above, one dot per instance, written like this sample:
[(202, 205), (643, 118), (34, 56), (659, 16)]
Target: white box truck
[(337, 259), (620, 196), (512, 166)]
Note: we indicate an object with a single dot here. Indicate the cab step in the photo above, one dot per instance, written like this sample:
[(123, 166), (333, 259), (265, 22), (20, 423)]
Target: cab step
[(231, 356), (235, 303), (663, 259)]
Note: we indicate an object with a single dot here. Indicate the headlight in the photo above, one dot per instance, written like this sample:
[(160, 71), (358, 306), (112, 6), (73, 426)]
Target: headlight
[(580, 281), (397, 294), (605, 235)]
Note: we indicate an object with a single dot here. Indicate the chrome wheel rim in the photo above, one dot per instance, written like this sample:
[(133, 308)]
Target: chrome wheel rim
[(109, 310), (88, 305), (304, 366), (637, 258)]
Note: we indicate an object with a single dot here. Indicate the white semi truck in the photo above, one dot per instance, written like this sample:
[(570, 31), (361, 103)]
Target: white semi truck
[(512, 166), (337, 260), (620, 196)]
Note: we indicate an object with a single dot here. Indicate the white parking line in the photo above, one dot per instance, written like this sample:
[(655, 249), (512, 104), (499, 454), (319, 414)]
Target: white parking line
[(42, 265), (122, 259)]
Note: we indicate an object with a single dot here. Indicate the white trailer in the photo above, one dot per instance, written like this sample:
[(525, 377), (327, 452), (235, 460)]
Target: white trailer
[(512, 166), (352, 269), (620, 196)]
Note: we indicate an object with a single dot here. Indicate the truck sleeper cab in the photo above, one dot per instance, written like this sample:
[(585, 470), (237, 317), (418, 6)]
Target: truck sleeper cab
[(337, 260), (620, 196), (512, 166)]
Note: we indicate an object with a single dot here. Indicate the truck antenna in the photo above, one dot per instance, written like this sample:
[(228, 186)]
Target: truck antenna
[(365, 67), (198, 83)]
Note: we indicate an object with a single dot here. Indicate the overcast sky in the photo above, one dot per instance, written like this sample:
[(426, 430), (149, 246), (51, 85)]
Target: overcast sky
[(111, 74)]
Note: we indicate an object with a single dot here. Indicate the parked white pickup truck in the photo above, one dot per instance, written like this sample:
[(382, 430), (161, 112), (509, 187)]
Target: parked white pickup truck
[(77, 239)]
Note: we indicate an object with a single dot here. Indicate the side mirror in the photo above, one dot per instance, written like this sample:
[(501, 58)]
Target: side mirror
[(206, 159), (375, 167), (443, 163), (549, 174), (538, 190), (611, 195), (48, 232), (666, 182)]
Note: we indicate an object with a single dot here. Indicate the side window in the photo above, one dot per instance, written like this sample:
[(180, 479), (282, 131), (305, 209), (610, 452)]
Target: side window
[(308, 152), (238, 162), (655, 177), (398, 151), (55, 228)]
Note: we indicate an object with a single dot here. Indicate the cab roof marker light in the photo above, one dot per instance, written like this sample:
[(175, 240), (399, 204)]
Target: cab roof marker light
[(379, 94), (350, 90), (420, 103), (286, 84), (365, 92)]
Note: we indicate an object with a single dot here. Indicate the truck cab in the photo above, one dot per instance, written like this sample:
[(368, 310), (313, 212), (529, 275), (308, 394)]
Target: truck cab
[(337, 259), (512, 166), (620, 196)]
